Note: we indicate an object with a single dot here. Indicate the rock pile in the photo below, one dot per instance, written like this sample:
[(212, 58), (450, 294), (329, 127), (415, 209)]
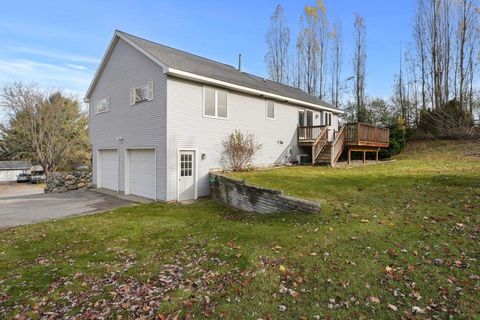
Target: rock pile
[(59, 182)]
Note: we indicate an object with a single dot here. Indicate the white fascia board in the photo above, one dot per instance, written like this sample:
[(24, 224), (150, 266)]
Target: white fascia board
[(195, 77), (105, 57), (118, 35), (145, 52)]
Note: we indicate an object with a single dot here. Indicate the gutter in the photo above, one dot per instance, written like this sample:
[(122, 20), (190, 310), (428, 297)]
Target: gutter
[(198, 78)]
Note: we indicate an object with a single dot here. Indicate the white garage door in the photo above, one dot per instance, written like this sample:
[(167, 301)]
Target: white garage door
[(108, 169), (141, 173)]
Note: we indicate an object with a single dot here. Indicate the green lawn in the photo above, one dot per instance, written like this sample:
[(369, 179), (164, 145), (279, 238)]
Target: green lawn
[(398, 239)]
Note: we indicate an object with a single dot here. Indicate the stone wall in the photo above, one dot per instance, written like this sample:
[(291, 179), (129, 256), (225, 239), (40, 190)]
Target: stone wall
[(59, 182), (238, 194)]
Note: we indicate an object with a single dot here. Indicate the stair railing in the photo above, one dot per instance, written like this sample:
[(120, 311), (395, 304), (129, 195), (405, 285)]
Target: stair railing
[(337, 146), (319, 144)]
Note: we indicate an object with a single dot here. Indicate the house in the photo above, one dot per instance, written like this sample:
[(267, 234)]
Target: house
[(10, 169), (157, 117)]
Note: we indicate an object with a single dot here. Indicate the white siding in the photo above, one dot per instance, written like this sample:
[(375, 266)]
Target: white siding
[(9, 175), (188, 128), (142, 125)]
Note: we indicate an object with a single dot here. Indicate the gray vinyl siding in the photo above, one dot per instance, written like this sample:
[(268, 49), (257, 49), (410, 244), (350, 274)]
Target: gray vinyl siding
[(143, 125), (189, 129)]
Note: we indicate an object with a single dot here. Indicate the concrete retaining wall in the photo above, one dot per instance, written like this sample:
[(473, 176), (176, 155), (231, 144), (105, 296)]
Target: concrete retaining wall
[(238, 194)]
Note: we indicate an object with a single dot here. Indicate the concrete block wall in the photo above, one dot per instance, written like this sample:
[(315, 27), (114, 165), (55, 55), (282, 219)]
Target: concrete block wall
[(238, 194)]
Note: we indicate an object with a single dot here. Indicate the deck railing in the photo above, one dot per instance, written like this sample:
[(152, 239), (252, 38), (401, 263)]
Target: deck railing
[(366, 134), (309, 132)]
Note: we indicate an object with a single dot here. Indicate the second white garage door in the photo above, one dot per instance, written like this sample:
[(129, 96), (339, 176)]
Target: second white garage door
[(141, 173)]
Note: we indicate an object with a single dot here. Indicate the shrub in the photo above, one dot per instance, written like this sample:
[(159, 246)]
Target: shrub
[(239, 150), (450, 121), (398, 138)]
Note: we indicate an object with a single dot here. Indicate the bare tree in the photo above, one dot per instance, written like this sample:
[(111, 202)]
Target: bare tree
[(336, 64), (465, 36), (278, 41), (308, 50), (359, 62), (420, 45), (446, 40), (413, 89), (323, 37), (44, 127)]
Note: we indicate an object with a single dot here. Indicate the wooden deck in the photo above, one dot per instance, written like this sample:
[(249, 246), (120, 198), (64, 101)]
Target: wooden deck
[(366, 135), (356, 137), (307, 135)]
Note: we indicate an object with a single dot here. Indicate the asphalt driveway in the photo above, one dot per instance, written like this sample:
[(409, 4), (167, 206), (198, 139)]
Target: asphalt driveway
[(26, 209)]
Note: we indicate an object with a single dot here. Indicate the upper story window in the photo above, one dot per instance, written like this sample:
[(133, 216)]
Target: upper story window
[(140, 94), (270, 105), (102, 105), (327, 118), (215, 103)]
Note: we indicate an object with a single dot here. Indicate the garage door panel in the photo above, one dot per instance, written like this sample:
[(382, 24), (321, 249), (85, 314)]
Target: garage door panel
[(142, 173), (108, 169)]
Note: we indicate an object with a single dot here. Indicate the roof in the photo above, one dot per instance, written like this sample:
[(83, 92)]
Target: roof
[(181, 63), (15, 165)]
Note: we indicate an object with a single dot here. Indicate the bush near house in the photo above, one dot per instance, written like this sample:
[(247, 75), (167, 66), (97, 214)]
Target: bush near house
[(239, 149), (394, 240)]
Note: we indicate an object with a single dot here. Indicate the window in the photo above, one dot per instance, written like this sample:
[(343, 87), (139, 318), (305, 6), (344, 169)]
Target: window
[(102, 105), (140, 94), (186, 165), (215, 103), (327, 118), (270, 109)]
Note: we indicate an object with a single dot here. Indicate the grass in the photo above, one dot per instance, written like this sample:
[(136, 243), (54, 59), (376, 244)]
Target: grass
[(398, 239)]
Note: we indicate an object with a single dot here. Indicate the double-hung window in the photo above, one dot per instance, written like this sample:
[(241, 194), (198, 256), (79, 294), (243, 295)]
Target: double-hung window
[(215, 103), (270, 105), (102, 105), (142, 93)]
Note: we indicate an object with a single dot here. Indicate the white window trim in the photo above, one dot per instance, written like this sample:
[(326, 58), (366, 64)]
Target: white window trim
[(149, 86), (96, 105), (216, 104), (327, 115), (266, 109)]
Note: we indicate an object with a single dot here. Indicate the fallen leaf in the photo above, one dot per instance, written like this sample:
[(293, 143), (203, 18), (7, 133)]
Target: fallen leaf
[(374, 299), (391, 306), (419, 310)]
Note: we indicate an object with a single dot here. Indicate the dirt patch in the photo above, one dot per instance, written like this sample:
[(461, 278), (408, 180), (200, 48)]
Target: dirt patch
[(20, 189)]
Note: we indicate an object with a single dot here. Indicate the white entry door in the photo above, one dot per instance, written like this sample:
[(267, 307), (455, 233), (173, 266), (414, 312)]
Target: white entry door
[(108, 169), (186, 175), (141, 172)]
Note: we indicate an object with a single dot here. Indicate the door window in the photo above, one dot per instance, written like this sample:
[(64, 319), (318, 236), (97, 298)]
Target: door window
[(301, 118), (309, 118), (186, 164)]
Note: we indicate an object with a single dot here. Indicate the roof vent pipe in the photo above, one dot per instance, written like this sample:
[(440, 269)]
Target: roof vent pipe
[(239, 62)]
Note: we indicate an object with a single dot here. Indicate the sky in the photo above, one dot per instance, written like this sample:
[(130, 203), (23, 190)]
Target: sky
[(59, 44)]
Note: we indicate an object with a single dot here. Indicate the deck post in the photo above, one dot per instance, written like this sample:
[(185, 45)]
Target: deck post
[(364, 156), (349, 156), (376, 157)]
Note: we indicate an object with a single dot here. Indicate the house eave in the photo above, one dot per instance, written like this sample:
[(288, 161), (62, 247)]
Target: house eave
[(118, 35), (198, 78)]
